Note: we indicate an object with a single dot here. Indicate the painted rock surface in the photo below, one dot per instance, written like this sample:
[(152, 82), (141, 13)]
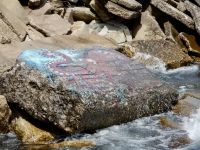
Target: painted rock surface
[(84, 89)]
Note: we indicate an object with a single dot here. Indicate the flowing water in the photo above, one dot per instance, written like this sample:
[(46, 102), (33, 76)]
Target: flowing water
[(145, 133)]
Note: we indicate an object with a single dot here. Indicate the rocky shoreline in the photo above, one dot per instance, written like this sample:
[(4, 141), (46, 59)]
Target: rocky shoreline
[(63, 63)]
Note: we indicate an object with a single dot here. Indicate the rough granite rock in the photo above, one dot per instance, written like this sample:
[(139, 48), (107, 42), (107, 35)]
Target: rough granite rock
[(170, 53), (5, 114), (51, 25), (195, 12), (121, 12), (130, 4), (84, 89), (173, 12)]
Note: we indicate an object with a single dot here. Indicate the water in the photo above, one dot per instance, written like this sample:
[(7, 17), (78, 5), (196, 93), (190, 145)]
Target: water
[(145, 133)]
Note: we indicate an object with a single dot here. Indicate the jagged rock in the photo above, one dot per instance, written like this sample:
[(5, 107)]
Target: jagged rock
[(83, 89), (27, 132), (188, 105), (131, 4), (69, 16), (16, 8), (5, 114), (83, 14), (79, 28), (51, 25), (168, 52), (113, 30), (120, 11), (34, 34), (33, 3), (173, 12), (38, 12), (191, 43), (173, 35), (181, 7), (148, 29), (194, 10), (14, 24), (10, 52), (101, 11)]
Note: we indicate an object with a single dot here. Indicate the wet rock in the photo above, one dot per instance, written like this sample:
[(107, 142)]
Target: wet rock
[(131, 4), (83, 14), (51, 25), (83, 89), (33, 3), (179, 140), (99, 8), (173, 12), (148, 28), (27, 132), (168, 52), (16, 8), (34, 34), (189, 104), (169, 123), (194, 11), (10, 52), (193, 48), (13, 24), (121, 11), (59, 145), (5, 114)]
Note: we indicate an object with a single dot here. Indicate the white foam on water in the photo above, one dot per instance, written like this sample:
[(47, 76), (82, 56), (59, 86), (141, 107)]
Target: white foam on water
[(192, 126), (157, 65)]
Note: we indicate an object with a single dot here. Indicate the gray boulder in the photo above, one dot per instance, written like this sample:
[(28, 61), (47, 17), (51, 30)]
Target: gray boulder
[(84, 89)]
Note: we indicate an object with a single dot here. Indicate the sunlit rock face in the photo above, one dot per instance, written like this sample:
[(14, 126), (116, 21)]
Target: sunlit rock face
[(84, 89)]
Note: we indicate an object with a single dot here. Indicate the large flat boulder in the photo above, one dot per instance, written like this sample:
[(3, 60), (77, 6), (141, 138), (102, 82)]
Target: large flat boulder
[(84, 89), (51, 25), (168, 52), (9, 52)]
